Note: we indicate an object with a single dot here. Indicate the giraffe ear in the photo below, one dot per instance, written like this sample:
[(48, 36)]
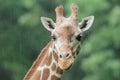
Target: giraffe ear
[(48, 23), (86, 23)]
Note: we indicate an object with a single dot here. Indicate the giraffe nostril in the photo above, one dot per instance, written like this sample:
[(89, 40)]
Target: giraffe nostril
[(67, 55), (60, 56), (64, 56)]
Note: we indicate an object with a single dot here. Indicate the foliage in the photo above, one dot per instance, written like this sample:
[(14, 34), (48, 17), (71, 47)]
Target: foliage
[(22, 36)]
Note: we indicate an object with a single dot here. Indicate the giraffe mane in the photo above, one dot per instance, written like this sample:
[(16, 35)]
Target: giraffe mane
[(35, 65)]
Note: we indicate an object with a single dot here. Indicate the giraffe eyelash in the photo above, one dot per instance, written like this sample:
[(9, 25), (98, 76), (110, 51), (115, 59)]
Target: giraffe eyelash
[(79, 37), (53, 37)]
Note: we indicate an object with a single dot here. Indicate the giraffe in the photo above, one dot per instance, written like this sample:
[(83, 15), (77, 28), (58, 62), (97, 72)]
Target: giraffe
[(60, 52)]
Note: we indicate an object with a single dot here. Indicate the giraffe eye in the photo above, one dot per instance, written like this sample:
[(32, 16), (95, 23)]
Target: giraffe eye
[(79, 37), (54, 37)]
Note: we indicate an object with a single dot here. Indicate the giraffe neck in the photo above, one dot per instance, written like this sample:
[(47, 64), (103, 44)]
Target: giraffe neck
[(45, 67)]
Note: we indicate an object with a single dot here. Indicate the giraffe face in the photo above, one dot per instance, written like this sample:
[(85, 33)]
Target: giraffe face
[(67, 43), (67, 38), (67, 33)]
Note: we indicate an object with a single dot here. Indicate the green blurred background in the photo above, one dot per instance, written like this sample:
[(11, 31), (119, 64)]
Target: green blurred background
[(22, 36)]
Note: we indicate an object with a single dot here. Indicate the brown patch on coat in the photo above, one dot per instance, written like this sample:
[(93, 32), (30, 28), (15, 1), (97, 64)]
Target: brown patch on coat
[(53, 66), (49, 59), (46, 73), (55, 56), (36, 76), (59, 71), (53, 77)]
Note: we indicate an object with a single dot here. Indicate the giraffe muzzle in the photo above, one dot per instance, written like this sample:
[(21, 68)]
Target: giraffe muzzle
[(65, 64)]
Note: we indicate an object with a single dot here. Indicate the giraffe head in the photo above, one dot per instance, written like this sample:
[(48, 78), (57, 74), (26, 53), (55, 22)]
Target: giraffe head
[(67, 33)]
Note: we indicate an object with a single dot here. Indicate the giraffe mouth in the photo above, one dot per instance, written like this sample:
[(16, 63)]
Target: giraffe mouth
[(68, 67), (65, 64)]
